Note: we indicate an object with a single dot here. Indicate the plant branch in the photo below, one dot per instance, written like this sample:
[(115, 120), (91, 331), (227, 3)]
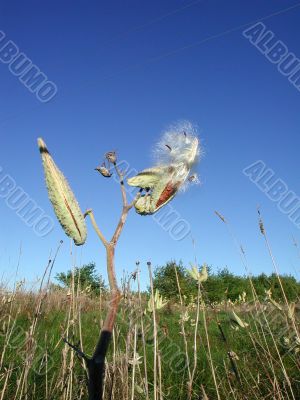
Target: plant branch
[(125, 211), (95, 226), (96, 364), (123, 190), (76, 349)]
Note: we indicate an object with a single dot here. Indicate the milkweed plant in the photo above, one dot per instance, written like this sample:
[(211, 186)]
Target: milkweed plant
[(176, 155)]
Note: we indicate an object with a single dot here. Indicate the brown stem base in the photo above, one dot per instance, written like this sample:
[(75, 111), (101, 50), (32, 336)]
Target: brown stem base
[(96, 367)]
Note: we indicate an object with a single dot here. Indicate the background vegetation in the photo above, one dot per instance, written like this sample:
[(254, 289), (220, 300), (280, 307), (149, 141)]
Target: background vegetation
[(223, 285), (228, 337)]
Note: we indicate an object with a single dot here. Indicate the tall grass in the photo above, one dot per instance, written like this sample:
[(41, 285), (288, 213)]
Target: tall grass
[(182, 351)]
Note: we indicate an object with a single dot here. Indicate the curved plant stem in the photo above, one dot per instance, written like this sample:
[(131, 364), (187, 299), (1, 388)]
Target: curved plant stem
[(96, 364)]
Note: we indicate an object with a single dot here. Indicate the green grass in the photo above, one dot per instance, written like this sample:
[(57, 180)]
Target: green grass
[(54, 370)]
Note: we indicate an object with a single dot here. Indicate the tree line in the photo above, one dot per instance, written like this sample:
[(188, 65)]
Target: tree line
[(220, 286)]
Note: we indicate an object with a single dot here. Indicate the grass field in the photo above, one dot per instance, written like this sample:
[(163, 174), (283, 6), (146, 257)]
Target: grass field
[(179, 351)]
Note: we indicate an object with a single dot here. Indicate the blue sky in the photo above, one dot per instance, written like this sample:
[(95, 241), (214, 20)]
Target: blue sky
[(124, 72)]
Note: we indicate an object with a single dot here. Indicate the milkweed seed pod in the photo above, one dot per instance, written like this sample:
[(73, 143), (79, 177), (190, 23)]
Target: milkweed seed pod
[(158, 300), (176, 153), (103, 171), (65, 205), (111, 156), (199, 276), (238, 321)]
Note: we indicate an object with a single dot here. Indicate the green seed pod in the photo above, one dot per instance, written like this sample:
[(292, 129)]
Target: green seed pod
[(65, 205)]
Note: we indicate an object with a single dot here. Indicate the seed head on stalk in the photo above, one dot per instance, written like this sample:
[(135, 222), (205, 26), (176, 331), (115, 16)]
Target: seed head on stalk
[(176, 154)]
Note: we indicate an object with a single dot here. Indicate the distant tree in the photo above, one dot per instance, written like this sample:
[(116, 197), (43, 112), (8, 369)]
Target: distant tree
[(223, 285), (261, 283), (290, 286), (214, 289), (165, 280), (85, 276)]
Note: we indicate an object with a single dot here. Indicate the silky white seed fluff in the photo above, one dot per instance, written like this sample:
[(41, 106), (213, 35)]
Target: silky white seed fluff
[(176, 144), (180, 147)]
